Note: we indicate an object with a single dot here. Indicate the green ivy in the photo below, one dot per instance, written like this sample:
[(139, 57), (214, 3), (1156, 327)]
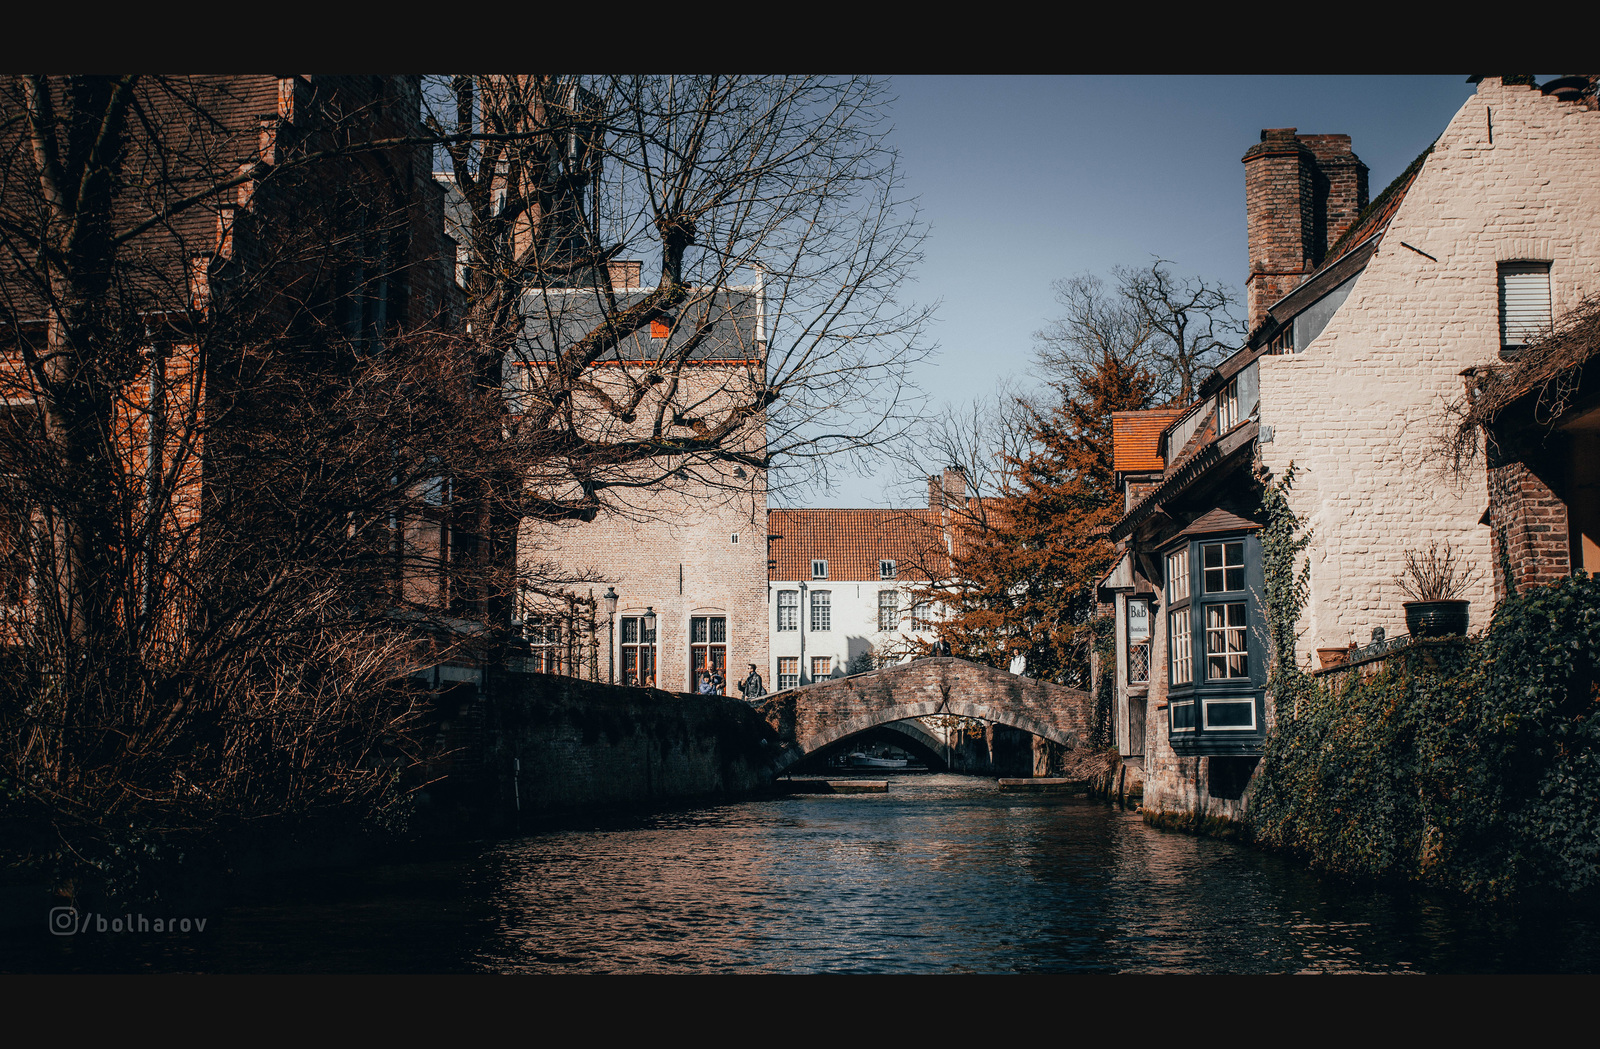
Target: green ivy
[(1468, 764)]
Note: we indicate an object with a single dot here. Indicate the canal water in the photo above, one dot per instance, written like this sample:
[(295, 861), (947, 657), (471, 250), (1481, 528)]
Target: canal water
[(941, 874)]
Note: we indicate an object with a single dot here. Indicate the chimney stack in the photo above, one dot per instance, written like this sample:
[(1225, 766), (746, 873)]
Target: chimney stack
[(1302, 193)]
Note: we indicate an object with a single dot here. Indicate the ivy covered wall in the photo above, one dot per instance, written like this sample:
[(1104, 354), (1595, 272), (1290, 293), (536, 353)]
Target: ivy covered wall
[(1471, 765)]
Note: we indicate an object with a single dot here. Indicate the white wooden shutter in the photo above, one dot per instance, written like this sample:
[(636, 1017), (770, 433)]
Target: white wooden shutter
[(1524, 301)]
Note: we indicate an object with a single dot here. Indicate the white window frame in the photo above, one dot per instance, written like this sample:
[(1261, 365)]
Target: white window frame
[(788, 680), (886, 569), (1228, 407), (819, 569), (1180, 655), (788, 601), (1227, 641), (888, 610), (1178, 574), (1207, 703), (1224, 549), (821, 611), (821, 667)]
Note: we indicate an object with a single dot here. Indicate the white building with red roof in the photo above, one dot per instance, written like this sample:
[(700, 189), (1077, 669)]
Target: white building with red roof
[(844, 583)]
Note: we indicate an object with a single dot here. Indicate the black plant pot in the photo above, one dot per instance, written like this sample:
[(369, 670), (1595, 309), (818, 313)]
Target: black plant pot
[(1436, 618)]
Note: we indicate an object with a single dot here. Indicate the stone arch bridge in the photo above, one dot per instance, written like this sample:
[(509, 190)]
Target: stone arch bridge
[(813, 717)]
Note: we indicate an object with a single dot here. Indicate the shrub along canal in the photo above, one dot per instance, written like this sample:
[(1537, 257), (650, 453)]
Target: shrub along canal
[(940, 874)]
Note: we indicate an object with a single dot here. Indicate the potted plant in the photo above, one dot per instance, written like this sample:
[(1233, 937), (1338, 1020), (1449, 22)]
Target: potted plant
[(1435, 581)]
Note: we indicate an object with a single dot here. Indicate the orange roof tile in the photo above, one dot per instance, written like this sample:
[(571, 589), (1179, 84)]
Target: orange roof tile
[(854, 541), (1136, 438)]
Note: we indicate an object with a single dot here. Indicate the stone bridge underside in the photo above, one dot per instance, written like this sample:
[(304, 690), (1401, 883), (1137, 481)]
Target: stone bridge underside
[(810, 718)]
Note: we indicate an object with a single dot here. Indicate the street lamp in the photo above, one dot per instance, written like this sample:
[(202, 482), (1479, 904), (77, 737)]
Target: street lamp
[(610, 598), (647, 626)]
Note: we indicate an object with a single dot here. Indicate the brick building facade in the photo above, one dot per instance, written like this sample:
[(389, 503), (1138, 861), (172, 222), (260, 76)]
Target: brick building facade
[(246, 216), (681, 538)]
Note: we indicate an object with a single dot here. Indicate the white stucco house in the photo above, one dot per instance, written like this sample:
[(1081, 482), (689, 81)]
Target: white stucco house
[(843, 584)]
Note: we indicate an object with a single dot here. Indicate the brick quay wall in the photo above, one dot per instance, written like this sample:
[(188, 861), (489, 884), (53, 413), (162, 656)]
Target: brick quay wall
[(559, 745)]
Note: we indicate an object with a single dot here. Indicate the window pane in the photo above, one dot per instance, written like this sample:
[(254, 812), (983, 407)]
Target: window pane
[(630, 630), (821, 614), (888, 610), (1226, 655), (719, 629), (1524, 301), (697, 630), (1179, 645), (788, 610), (1139, 663), (1178, 575)]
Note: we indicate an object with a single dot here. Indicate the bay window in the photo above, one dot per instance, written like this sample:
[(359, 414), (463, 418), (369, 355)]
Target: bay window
[(1216, 644)]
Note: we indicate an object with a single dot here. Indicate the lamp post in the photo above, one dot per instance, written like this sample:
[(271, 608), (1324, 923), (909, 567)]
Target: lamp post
[(610, 598), (647, 626)]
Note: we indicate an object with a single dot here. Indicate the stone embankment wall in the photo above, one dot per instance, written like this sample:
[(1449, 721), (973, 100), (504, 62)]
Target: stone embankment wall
[(583, 745)]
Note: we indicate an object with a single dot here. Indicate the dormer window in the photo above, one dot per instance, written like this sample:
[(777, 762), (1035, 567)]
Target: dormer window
[(1228, 407), (885, 569), (819, 569)]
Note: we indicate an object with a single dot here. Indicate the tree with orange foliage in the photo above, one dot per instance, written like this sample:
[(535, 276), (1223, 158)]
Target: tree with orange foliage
[(1024, 574), (1025, 563)]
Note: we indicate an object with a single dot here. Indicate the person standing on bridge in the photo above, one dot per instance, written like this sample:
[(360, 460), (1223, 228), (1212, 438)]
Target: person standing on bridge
[(751, 687)]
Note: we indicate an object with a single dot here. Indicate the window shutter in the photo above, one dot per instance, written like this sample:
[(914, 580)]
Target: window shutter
[(1524, 301)]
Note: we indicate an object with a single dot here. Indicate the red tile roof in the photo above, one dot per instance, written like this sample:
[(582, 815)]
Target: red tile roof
[(1136, 438), (854, 541)]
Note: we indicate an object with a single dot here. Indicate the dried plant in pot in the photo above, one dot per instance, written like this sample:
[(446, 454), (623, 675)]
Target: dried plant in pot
[(1435, 579)]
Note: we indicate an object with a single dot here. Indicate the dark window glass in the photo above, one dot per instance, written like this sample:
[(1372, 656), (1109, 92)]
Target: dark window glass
[(1224, 567)]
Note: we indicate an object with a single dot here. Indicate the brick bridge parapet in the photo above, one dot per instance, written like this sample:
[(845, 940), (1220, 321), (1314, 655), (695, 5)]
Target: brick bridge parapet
[(810, 718)]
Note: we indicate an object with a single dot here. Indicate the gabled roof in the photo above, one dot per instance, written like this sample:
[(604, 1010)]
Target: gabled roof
[(1347, 257), (854, 541), (1136, 438), (1219, 520), (1375, 217)]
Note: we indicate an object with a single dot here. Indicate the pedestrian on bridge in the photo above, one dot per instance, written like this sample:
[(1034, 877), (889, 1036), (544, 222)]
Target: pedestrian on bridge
[(751, 687)]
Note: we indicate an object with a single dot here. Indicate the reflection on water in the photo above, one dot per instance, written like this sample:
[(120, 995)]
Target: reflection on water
[(942, 874)]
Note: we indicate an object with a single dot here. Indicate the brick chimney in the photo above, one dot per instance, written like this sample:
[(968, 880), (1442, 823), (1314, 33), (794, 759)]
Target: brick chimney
[(1301, 192), (949, 490)]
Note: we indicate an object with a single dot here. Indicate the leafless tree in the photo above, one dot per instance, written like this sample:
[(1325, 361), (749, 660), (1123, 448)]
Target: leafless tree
[(783, 186), (230, 420), (1176, 328)]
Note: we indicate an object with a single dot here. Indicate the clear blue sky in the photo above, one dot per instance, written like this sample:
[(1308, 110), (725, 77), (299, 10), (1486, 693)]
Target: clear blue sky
[(1024, 180)]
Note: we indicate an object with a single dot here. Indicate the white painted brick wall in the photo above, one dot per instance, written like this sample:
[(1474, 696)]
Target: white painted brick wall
[(1360, 410)]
